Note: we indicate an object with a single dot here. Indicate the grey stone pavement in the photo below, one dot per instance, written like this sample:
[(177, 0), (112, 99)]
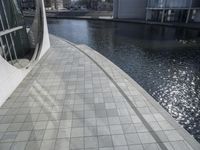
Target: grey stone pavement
[(78, 100)]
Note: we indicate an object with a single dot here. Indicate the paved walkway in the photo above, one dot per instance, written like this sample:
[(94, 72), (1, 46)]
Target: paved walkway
[(78, 100)]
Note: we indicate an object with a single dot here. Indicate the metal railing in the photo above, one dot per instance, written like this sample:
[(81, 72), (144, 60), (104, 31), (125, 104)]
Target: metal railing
[(6, 35), (8, 32), (6, 49)]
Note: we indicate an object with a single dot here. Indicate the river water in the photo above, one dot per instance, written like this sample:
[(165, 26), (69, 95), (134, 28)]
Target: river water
[(165, 61)]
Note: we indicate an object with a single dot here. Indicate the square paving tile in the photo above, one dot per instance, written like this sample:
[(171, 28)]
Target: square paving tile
[(173, 135), (91, 142), (119, 140), (64, 133), (121, 148), (116, 129), (33, 145), (47, 145), (77, 143), (90, 131), (4, 127), (132, 139), (18, 146), (36, 135), (103, 130), (77, 132), (5, 146), (50, 134), (9, 137), (62, 144), (146, 137), (136, 147), (105, 141), (23, 136)]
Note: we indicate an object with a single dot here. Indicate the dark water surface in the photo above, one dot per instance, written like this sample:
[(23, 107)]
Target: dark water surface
[(164, 61)]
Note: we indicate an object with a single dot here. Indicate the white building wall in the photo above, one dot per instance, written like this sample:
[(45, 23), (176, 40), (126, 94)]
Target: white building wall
[(135, 9)]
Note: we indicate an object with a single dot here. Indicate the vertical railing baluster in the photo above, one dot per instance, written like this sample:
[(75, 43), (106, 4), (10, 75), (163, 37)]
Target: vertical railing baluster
[(3, 49), (7, 44)]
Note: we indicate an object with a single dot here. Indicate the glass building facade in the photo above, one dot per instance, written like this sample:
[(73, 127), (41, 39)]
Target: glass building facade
[(173, 10), (169, 3)]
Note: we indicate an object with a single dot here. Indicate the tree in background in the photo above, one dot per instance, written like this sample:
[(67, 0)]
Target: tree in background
[(47, 3), (90, 4), (109, 1)]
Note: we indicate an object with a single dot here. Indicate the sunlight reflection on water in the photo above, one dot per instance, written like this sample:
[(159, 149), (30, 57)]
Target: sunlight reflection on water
[(164, 61)]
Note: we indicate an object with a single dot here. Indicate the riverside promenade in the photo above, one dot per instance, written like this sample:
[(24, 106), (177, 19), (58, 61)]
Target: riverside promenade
[(76, 99), (108, 16)]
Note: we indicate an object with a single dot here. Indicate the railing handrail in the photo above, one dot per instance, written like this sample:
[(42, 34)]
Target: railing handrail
[(5, 32)]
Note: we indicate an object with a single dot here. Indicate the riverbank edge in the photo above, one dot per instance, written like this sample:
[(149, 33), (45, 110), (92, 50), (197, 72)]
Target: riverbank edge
[(184, 133), (109, 18)]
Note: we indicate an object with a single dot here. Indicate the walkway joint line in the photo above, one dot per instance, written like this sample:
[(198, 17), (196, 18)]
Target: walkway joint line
[(146, 124)]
